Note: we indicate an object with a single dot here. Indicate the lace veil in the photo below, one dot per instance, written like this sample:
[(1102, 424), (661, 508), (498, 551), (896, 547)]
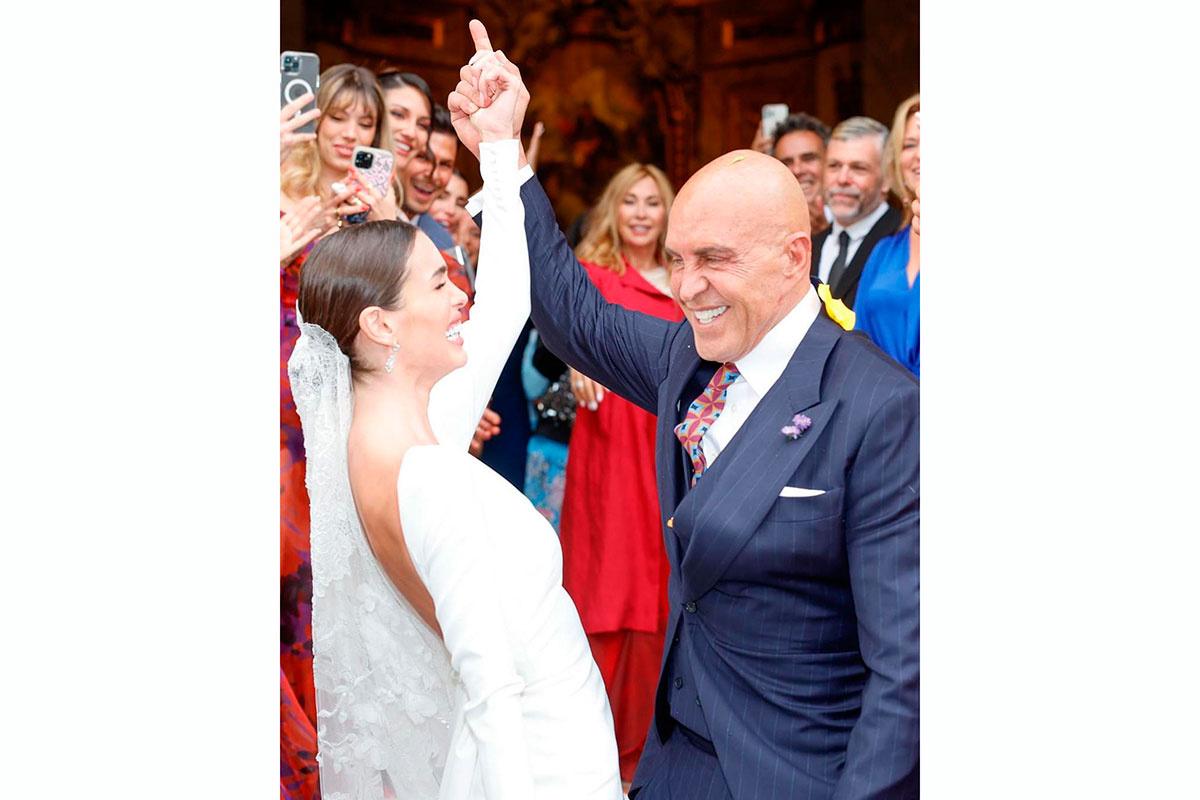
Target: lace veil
[(386, 694)]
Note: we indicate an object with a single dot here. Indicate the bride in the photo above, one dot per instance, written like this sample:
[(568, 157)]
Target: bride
[(448, 660)]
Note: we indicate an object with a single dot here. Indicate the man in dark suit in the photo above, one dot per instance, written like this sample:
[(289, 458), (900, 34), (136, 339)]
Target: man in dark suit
[(856, 192), (788, 475)]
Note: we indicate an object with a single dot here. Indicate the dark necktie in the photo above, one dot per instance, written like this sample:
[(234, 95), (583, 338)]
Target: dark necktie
[(839, 263)]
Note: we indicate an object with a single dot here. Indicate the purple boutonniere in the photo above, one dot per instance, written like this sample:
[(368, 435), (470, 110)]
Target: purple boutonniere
[(800, 424)]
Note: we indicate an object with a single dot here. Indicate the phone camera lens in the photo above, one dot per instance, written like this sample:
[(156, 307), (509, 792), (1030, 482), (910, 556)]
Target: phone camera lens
[(364, 160), (290, 63)]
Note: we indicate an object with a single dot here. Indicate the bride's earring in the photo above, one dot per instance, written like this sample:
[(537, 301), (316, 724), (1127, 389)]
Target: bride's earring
[(390, 364)]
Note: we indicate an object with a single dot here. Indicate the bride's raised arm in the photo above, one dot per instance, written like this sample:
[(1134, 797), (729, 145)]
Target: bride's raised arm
[(502, 283), (501, 300)]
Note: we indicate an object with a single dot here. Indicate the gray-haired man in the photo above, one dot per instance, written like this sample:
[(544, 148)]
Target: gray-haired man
[(855, 191)]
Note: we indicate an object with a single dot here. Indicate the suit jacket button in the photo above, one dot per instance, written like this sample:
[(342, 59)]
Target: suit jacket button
[(690, 606), (670, 522), (679, 683)]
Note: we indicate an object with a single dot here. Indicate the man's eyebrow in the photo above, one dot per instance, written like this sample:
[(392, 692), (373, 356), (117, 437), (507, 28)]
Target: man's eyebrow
[(670, 253), (714, 251)]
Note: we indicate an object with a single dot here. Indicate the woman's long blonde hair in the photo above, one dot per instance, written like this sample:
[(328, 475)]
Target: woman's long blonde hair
[(602, 244), (895, 146), (342, 86)]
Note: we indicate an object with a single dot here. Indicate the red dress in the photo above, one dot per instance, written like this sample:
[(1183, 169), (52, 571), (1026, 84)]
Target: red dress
[(298, 778), (614, 563)]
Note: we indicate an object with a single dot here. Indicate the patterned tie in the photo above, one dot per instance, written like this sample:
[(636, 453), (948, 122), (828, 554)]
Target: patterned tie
[(702, 413)]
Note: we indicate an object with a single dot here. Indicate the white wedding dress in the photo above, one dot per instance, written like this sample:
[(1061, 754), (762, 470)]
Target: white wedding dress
[(518, 709)]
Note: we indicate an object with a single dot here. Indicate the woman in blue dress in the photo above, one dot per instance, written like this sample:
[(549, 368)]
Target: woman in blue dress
[(888, 308)]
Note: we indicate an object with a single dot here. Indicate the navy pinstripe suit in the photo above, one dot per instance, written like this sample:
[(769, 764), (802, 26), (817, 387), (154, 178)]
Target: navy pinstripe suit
[(792, 655)]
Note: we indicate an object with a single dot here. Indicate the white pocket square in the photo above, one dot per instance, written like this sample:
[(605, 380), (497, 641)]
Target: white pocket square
[(796, 491)]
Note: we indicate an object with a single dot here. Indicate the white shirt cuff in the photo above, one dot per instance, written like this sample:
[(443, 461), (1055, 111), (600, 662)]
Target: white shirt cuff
[(475, 202)]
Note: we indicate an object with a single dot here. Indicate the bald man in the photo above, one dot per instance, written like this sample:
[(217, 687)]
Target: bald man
[(788, 477)]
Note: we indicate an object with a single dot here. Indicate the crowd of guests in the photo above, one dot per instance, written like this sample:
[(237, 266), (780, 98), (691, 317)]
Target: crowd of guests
[(863, 247), (583, 455)]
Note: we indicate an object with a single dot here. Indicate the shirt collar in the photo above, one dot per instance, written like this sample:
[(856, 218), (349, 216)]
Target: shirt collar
[(763, 365), (861, 228)]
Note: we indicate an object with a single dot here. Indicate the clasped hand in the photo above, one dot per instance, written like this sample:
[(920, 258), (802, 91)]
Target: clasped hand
[(490, 99)]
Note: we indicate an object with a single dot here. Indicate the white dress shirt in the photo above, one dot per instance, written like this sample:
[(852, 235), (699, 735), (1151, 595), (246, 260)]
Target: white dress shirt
[(858, 231), (757, 372)]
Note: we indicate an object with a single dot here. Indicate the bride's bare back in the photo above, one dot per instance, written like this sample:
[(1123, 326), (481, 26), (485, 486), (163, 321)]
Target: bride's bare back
[(374, 463)]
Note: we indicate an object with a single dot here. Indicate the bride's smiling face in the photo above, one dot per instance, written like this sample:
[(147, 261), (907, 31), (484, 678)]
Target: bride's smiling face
[(430, 316)]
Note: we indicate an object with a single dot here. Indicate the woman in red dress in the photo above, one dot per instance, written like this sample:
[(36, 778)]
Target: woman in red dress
[(614, 564)]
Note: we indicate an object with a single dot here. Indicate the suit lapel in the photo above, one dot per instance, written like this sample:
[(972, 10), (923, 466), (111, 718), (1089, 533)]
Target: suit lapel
[(726, 507), (668, 452), (885, 226)]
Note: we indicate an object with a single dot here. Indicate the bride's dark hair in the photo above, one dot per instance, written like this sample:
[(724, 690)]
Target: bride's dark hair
[(360, 266)]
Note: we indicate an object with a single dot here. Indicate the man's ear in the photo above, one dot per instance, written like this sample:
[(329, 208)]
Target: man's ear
[(375, 325), (798, 246)]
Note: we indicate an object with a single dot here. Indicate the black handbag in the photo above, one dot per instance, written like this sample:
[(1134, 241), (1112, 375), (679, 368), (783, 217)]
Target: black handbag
[(556, 410)]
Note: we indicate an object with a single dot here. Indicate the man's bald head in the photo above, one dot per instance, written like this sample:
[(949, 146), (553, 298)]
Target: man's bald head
[(739, 251), (749, 184)]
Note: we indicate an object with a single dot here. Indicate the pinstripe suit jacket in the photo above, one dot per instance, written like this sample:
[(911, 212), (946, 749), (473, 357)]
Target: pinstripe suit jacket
[(802, 612)]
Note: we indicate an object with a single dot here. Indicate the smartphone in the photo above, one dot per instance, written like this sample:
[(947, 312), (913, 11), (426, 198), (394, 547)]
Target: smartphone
[(299, 73), (375, 166), (772, 115)]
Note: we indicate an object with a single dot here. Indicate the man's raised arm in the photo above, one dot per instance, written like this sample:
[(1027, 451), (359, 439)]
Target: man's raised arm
[(624, 350)]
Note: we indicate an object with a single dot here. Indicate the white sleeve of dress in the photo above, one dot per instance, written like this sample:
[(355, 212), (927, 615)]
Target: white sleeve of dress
[(452, 548), (501, 300)]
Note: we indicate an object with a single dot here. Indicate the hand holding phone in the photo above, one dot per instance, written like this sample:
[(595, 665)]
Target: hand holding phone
[(366, 201), (291, 118), (345, 207), (300, 74), (373, 168)]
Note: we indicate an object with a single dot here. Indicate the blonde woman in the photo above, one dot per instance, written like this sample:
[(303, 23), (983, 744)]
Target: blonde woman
[(352, 113), (888, 308), (614, 565)]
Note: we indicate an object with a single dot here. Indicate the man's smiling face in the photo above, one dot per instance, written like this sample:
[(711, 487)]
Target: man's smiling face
[(738, 252)]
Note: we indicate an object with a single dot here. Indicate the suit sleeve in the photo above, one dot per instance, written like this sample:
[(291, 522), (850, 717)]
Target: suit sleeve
[(883, 544), (624, 350)]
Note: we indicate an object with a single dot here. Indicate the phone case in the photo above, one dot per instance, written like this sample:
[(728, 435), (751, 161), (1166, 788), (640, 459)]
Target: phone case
[(299, 73), (381, 170), (772, 115)]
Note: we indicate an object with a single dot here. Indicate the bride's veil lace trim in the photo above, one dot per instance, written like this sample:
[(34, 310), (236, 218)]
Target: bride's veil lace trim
[(385, 691)]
